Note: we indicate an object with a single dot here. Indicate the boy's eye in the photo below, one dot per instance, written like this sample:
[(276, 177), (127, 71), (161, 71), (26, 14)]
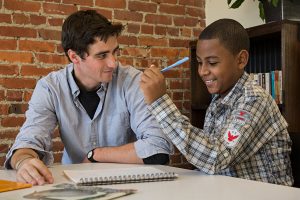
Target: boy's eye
[(199, 62), (213, 63)]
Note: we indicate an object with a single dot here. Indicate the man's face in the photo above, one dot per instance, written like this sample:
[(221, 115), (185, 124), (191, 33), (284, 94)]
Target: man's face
[(217, 66), (99, 64)]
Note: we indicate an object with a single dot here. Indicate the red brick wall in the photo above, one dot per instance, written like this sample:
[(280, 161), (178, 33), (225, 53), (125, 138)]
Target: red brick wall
[(157, 31)]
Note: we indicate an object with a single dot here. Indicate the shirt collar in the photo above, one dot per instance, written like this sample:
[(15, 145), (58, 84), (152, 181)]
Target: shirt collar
[(233, 95), (74, 87)]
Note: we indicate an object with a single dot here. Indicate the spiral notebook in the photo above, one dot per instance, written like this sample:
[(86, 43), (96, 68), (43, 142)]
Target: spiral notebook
[(119, 176)]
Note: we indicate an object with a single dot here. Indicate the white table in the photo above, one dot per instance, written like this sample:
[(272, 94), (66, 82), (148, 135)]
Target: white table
[(190, 185)]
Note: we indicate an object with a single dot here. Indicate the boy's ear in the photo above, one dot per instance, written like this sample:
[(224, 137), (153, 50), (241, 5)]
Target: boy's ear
[(73, 56), (243, 57)]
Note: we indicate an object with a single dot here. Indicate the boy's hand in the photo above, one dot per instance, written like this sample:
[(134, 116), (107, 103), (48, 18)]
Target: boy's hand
[(152, 84), (34, 171)]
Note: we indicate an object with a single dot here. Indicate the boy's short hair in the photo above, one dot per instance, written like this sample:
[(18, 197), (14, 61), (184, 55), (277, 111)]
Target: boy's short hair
[(230, 33), (82, 28)]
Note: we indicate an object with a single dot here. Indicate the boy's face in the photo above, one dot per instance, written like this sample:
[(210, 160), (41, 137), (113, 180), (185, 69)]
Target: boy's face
[(99, 64), (218, 67)]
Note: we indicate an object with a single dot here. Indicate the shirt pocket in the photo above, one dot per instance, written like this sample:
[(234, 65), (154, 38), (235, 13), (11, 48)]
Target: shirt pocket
[(119, 131)]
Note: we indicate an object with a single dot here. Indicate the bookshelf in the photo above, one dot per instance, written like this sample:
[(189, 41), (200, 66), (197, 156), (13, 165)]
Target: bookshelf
[(278, 44), (273, 46)]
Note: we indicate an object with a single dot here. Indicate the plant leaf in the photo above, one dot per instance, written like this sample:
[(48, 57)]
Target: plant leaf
[(261, 11), (275, 2), (236, 4)]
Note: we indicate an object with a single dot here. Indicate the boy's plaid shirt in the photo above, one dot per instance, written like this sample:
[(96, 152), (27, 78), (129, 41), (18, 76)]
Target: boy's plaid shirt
[(244, 135)]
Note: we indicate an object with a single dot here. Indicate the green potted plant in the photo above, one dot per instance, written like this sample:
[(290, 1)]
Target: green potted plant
[(235, 4)]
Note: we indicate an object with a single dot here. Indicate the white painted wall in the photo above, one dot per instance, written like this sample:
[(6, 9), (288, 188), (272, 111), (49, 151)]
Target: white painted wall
[(247, 14)]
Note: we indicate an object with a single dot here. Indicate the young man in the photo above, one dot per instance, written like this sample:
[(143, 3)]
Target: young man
[(244, 134), (96, 104)]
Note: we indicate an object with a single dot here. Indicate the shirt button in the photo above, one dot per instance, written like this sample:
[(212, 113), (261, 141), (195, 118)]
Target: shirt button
[(226, 154), (94, 143)]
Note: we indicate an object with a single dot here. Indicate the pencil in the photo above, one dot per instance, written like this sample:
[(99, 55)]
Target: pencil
[(179, 62)]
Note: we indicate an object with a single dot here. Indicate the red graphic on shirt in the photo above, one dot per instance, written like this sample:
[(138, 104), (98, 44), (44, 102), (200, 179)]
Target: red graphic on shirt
[(242, 113), (231, 137)]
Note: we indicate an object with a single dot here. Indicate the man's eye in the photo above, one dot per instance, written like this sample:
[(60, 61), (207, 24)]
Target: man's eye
[(101, 56)]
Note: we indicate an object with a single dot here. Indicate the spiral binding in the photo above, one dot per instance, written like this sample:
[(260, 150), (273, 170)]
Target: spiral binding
[(167, 176)]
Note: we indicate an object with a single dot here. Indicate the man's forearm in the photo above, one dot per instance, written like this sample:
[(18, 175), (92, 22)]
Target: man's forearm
[(21, 155), (121, 154)]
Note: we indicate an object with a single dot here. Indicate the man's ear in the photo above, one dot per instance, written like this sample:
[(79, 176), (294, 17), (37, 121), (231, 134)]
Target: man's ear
[(243, 57), (73, 56)]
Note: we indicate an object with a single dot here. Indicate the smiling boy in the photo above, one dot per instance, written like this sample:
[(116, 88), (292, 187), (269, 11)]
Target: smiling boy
[(244, 133)]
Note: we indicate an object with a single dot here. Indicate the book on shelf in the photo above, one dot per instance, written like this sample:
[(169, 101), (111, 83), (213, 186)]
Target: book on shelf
[(122, 175), (277, 90), (280, 85), (267, 82), (6, 185), (271, 82)]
